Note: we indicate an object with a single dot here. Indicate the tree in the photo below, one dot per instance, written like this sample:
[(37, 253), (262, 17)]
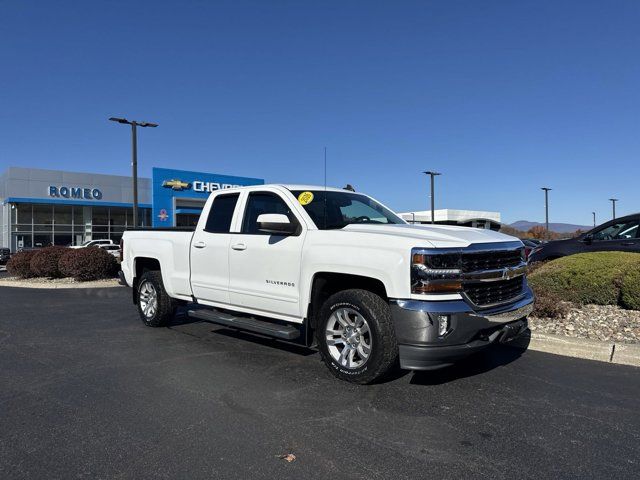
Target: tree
[(507, 230), (538, 232)]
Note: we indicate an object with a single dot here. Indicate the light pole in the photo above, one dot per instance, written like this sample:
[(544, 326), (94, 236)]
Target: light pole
[(134, 158), (546, 209), (594, 218), (613, 203), (433, 208)]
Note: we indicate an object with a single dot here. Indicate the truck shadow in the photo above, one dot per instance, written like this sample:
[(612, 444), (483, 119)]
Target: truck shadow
[(181, 318), (479, 363), (265, 341)]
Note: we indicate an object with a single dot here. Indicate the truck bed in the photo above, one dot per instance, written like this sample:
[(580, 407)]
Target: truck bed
[(169, 247)]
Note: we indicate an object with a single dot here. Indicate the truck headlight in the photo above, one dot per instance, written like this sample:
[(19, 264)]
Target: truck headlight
[(427, 279)]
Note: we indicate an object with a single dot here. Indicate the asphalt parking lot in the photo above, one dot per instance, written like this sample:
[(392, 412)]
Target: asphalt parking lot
[(89, 392)]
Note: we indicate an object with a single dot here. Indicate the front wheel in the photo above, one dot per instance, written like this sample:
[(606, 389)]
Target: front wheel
[(155, 306), (356, 336)]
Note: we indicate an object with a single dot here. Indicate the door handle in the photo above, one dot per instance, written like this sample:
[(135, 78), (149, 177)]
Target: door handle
[(239, 246), (628, 244), (199, 244)]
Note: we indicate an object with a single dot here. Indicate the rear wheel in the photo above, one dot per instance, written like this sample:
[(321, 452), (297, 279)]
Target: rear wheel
[(356, 336), (154, 305)]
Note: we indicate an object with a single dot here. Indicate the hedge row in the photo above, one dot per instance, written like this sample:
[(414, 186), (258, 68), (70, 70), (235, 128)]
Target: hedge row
[(601, 278), (82, 264)]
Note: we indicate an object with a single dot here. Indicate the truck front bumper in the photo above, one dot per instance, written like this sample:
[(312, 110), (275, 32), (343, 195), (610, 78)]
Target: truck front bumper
[(419, 327)]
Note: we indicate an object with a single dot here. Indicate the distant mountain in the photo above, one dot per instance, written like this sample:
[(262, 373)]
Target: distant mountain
[(525, 225)]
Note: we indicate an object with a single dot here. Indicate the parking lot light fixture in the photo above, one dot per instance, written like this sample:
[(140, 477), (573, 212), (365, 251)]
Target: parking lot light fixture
[(134, 157), (546, 210), (594, 218), (433, 209), (613, 204)]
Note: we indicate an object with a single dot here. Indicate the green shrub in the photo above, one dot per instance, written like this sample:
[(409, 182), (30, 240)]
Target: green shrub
[(630, 291), (19, 265), (45, 262), (597, 278), (90, 263)]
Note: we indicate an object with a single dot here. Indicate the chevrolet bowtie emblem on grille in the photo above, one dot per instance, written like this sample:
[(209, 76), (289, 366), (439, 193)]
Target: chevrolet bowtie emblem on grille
[(176, 184), (509, 273)]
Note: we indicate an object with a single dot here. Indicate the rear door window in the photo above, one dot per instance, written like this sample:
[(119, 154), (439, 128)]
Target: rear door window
[(221, 213)]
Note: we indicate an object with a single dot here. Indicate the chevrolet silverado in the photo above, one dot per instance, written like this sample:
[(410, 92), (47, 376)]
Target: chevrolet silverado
[(335, 270)]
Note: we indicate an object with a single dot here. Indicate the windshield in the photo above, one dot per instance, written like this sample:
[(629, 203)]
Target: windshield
[(332, 210)]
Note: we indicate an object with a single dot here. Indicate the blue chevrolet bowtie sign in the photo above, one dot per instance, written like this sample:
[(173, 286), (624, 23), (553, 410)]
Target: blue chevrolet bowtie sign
[(169, 186)]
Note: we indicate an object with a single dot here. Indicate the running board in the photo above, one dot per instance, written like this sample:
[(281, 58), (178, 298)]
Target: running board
[(285, 332)]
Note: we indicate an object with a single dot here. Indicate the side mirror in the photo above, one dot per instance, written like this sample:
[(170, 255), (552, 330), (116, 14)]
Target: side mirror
[(587, 239), (276, 224)]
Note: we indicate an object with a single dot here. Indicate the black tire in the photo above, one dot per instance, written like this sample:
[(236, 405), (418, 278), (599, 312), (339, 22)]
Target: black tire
[(383, 355), (152, 279)]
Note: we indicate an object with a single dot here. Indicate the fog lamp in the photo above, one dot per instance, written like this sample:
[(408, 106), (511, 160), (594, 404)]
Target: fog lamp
[(443, 324)]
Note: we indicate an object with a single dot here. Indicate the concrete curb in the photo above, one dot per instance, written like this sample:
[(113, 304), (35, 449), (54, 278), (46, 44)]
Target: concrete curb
[(610, 352), (57, 286)]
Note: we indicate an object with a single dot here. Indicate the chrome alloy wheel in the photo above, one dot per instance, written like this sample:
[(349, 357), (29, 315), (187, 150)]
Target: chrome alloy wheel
[(349, 338), (148, 299)]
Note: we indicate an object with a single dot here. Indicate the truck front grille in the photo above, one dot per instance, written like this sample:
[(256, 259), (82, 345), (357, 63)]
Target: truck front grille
[(477, 261), (473, 262), (486, 275), (485, 294)]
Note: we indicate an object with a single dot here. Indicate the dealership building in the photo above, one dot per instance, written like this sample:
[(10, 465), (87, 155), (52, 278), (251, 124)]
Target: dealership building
[(463, 218), (53, 207)]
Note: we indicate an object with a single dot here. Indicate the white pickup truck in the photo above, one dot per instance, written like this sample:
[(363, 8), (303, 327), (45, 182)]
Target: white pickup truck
[(336, 270)]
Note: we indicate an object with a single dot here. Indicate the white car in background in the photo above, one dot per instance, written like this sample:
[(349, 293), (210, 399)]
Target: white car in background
[(112, 249), (94, 243)]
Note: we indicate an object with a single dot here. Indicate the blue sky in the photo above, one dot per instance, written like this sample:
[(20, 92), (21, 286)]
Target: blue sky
[(502, 97)]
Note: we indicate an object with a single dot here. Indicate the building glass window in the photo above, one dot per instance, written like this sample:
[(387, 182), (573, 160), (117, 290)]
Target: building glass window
[(62, 215), (42, 214), (100, 216), (118, 216), (41, 225), (23, 241), (22, 214), (145, 217), (78, 218), (63, 238), (187, 219), (41, 239)]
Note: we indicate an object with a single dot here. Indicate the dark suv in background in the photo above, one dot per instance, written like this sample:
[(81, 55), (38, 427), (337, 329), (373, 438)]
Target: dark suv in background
[(5, 254), (621, 234)]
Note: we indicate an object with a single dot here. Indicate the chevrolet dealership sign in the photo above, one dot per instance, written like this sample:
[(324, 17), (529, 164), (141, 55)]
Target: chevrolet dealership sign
[(172, 188), (197, 185)]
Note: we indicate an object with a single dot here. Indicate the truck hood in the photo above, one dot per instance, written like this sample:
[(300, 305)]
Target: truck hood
[(439, 236)]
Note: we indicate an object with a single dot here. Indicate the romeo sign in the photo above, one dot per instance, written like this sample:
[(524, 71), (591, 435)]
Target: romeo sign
[(78, 193)]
